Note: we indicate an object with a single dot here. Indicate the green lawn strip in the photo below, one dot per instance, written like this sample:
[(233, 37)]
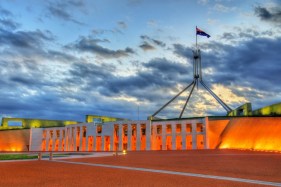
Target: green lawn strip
[(61, 155), (16, 156)]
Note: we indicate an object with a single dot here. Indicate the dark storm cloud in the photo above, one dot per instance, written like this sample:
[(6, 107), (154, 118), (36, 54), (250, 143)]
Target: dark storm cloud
[(269, 14), (25, 74), (228, 36), (258, 61), (24, 39), (62, 14), (159, 43), (106, 31), (23, 80), (154, 41), (166, 67), (146, 46), (9, 24), (5, 12), (6, 20), (28, 91), (159, 74), (62, 10), (92, 72), (254, 63), (92, 45), (29, 88), (245, 34), (183, 51), (47, 105)]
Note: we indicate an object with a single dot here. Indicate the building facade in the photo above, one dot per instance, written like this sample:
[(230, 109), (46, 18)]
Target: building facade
[(180, 134)]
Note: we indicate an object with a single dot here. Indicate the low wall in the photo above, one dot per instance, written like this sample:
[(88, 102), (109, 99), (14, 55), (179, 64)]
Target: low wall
[(215, 129), (254, 133), (14, 140)]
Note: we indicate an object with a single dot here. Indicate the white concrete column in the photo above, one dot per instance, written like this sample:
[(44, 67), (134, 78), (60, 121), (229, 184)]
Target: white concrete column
[(205, 133), (174, 133), (69, 139), (164, 129), (148, 135), (129, 136), (154, 137), (112, 138), (86, 139), (194, 135), (80, 138), (102, 142), (47, 139), (74, 139), (60, 140), (66, 141), (138, 136), (120, 137), (183, 135), (54, 138), (94, 138)]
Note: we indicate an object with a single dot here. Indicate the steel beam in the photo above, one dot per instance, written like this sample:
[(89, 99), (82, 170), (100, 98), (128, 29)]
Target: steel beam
[(172, 99), (227, 108), (195, 82)]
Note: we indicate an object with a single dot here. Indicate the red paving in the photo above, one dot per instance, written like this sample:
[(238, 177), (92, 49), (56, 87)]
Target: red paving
[(240, 164)]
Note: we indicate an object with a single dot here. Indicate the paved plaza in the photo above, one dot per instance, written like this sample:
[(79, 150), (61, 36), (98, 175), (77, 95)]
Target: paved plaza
[(150, 168)]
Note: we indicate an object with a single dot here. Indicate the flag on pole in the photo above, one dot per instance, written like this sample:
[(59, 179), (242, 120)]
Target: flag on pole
[(202, 33)]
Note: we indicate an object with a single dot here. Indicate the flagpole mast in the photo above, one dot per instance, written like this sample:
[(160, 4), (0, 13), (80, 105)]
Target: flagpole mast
[(196, 37)]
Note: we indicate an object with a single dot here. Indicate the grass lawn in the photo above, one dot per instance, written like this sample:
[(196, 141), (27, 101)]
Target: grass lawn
[(16, 156)]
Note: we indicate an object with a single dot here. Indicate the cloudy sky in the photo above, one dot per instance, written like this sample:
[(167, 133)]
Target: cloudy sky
[(63, 59)]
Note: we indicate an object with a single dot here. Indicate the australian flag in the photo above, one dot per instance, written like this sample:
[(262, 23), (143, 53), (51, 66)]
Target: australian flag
[(202, 33)]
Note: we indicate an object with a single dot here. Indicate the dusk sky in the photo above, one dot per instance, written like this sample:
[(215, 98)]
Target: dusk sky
[(65, 59)]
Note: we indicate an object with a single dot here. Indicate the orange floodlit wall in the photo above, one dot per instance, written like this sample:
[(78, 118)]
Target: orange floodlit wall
[(199, 141), (98, 142), (143, 137), (169, 142), (134, 138), (14, 140), (255, 133), (116, 138), (215, 130), (188, 142), (107, 143), (178, 143), (90, 143), (158, 143)]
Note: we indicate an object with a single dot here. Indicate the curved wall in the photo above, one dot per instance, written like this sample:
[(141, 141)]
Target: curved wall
[(254, 133), (215, 129), (14, 140)]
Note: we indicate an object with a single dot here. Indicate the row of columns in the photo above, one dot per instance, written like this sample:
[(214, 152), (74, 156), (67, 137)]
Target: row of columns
[(54, 138), (183, 133), (69, 138), (71, 143), (138, 136)]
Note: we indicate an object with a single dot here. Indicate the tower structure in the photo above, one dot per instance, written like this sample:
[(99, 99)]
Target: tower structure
[(197, 78)]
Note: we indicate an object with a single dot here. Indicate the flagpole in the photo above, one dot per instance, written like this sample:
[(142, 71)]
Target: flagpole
[(196, 37)]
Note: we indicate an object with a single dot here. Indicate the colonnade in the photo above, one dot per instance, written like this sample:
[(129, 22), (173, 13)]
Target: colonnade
[(126, 135), (180, 135)]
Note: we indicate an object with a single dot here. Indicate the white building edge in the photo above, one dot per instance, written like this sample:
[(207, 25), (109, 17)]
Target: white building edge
[(179, 134)]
